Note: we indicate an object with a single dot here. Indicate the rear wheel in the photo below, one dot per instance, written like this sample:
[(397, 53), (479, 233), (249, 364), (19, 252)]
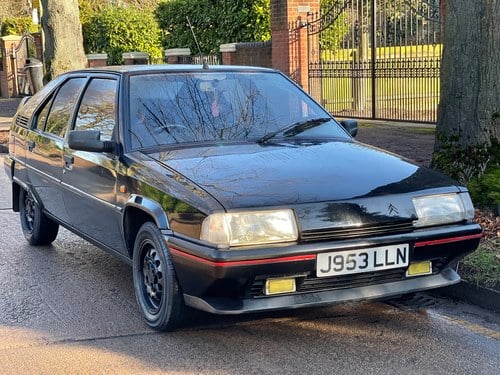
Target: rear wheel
[(155, 282), (37, 228)]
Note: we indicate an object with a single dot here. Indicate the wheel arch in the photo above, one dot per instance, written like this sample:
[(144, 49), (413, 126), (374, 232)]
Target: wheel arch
[(17, 187), (138, 211), (16, 191)]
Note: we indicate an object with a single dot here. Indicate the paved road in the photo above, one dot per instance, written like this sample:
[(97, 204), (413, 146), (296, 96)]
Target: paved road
[(69, 308)]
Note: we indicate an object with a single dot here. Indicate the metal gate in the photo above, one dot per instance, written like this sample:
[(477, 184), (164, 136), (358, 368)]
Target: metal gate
[(377, 59)]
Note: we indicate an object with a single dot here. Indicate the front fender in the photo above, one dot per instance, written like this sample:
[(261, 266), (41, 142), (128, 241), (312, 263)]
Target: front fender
[(8, 164)]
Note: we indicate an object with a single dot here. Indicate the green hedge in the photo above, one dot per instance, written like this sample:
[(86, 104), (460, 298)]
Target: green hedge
[(114, 30), (485, 190), (215, 22), (17, 26)]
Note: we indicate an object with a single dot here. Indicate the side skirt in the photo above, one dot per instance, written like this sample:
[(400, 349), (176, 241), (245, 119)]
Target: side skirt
[(96, 243)]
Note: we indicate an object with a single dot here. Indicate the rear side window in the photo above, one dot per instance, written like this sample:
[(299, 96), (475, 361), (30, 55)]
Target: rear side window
[(63, 106), (97, 109)]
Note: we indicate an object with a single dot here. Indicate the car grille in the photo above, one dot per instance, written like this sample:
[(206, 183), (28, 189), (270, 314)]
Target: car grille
[(22, 121), (365, 231), (317, 284)]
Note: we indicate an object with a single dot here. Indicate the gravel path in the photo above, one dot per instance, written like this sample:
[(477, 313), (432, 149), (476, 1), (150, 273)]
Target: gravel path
[(412, 142)]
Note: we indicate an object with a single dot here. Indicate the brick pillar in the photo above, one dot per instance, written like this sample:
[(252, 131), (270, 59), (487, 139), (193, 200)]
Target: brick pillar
[(96, 60), (289, 40), (38, 45), (135, 58), (8, 79), (174, 55), (228, 53)]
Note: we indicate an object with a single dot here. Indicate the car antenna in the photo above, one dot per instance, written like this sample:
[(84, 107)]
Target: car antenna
[(205, 63)]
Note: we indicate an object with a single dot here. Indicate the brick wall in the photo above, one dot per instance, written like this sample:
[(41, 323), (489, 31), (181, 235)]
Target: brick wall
[(253, 54)]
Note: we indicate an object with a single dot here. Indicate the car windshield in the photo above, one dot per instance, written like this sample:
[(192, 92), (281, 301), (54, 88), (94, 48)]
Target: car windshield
[(173, 108)]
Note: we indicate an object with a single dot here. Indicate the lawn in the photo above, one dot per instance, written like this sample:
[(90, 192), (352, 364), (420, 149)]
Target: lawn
[(482, 267)]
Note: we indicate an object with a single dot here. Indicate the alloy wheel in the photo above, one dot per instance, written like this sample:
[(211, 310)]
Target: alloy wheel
[(152, 277), (29, 211)]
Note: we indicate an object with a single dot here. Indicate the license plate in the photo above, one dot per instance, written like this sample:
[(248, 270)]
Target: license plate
[(365, 260)]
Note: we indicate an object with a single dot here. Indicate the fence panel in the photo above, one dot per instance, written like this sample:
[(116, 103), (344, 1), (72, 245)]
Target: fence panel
[(376, 59)]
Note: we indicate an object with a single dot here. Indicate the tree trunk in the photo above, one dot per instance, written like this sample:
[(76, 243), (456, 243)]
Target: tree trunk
[(468, 127), (63, 41)]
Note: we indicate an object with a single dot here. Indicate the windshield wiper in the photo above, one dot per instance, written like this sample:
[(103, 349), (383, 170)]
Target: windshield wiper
[(295, 128)]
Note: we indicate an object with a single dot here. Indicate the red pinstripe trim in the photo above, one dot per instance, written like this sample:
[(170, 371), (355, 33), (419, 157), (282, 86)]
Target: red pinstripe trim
[(236, 263), (448, 240)]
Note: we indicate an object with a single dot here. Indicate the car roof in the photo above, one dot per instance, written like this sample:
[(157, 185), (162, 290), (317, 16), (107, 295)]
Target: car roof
[(133, 69)]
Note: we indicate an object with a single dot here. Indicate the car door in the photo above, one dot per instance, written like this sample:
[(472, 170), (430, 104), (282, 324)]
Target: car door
[(89, 178), (24, 124), (44, 155)]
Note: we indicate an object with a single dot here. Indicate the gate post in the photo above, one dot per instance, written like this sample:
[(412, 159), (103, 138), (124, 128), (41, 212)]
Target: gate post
[(289, 38), (360, 61), (8, 73)]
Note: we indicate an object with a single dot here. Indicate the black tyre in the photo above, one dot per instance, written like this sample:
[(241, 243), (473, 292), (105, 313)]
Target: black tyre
[(155, 282), (37, 228)]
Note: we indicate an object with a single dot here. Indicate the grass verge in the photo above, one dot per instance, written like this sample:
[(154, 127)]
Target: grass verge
[(482, 267)]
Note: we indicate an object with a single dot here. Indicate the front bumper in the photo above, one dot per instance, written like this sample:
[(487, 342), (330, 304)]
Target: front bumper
[(327, 297), (231, 282)]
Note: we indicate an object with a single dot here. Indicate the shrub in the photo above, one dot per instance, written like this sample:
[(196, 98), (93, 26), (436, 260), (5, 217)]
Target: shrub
[(485, 191), (115, 30), (215, 22), (18, 25)]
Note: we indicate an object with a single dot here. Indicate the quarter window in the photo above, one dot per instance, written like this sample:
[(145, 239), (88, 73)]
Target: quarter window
[(42, 115), (63, 106), (97, 109)]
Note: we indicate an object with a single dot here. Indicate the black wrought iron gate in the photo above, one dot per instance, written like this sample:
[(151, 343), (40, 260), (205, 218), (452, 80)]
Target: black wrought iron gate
[(376, 59)]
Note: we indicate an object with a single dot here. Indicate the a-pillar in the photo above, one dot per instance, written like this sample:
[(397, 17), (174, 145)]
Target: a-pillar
[(8, 74), (289, 37)]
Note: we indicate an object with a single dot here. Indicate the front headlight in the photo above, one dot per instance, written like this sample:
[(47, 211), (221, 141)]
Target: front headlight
[(442, 209), (249, 228)]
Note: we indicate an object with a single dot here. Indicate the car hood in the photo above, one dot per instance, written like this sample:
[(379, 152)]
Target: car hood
[(288, 174)]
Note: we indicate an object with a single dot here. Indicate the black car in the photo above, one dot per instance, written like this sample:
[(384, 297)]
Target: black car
[(230, 190)]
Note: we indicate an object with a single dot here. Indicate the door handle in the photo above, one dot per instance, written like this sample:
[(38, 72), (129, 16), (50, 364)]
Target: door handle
[(68, 162), (31, 146)]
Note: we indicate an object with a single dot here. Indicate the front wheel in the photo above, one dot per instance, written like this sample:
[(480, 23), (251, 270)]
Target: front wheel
[(155, 282), (37, 228)]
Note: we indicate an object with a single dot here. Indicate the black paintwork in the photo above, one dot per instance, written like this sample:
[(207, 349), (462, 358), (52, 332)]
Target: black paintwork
[(104, 196), (254, 175)]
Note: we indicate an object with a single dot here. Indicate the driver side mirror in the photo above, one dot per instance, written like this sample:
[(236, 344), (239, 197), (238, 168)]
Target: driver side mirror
[(89, 140), (351, 126)]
